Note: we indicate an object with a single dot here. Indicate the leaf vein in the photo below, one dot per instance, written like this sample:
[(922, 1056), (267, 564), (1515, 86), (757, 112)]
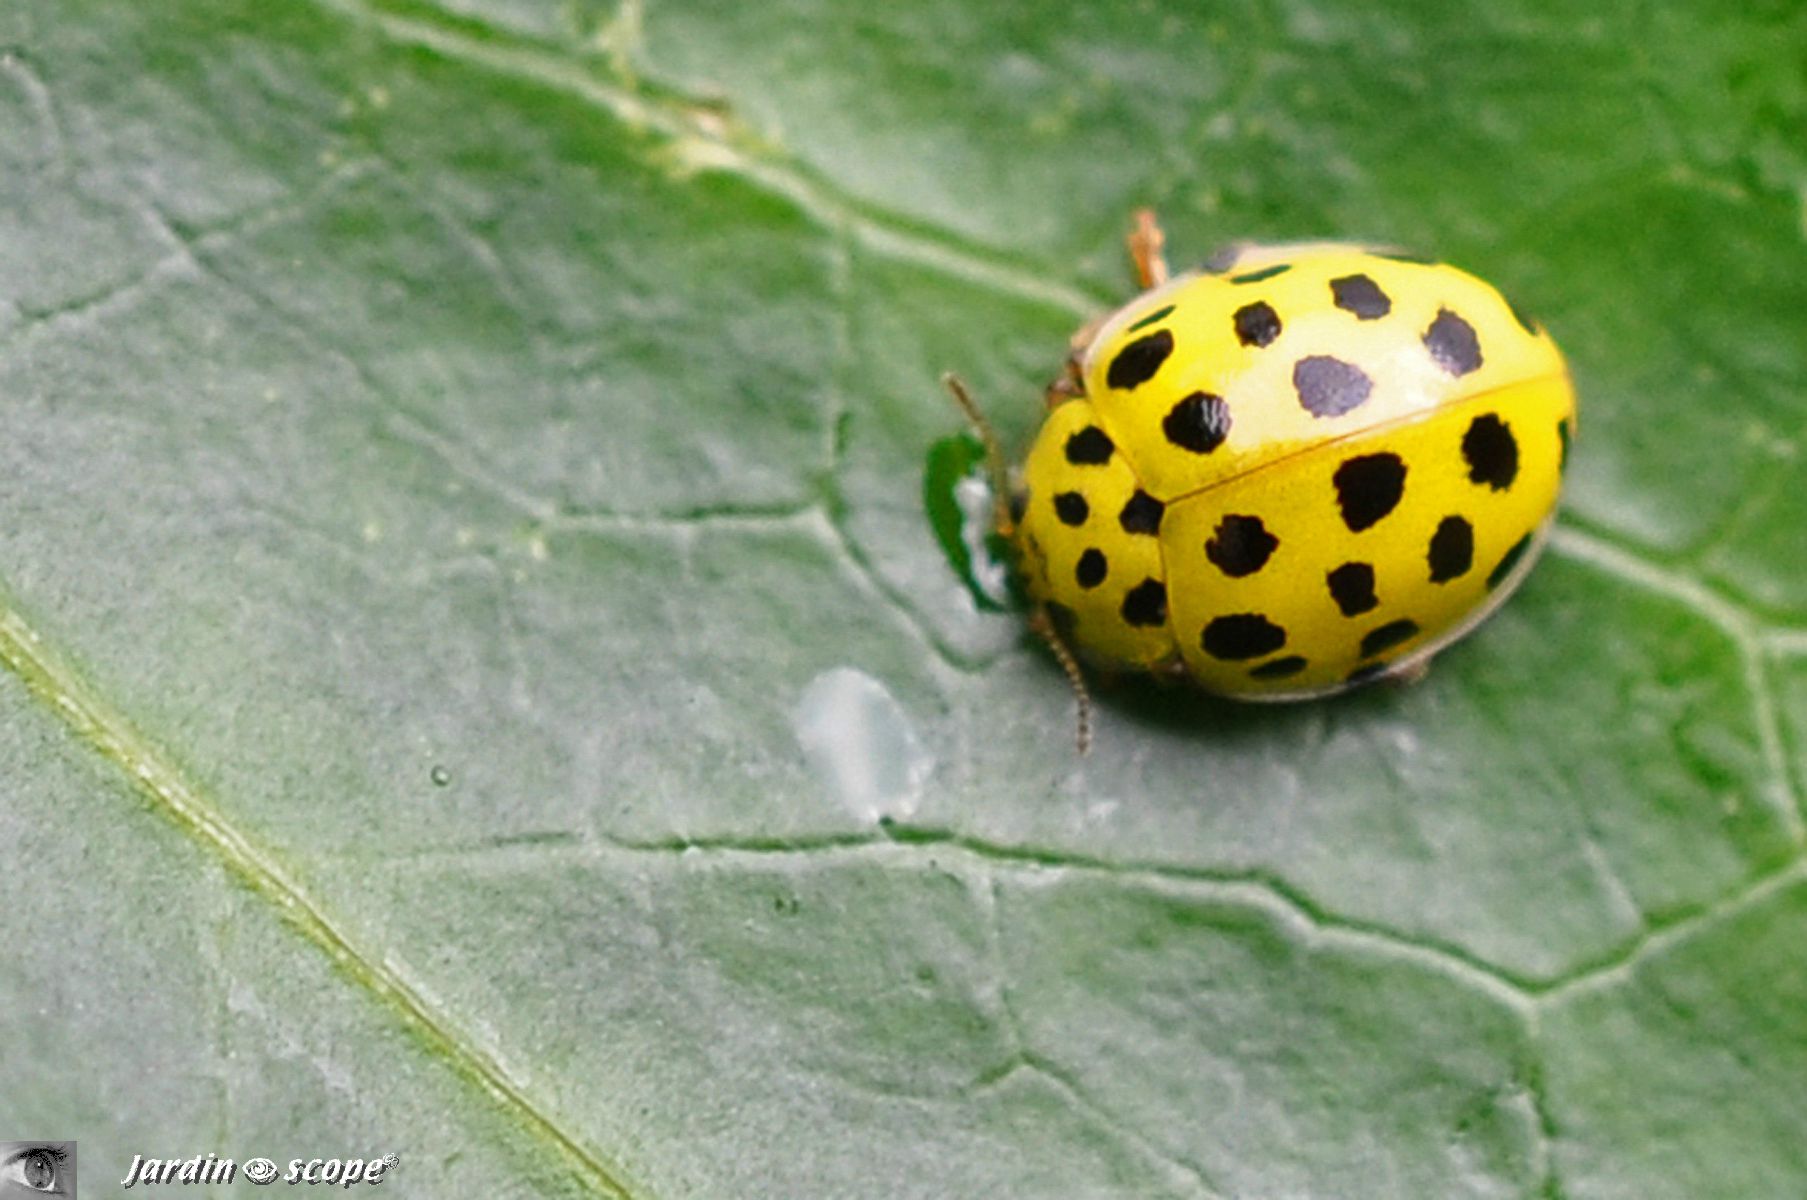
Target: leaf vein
[(93, 718)]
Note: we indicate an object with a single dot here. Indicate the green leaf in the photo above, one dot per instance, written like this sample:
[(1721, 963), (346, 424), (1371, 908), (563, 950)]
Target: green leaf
[(957, 498), (484, 686)]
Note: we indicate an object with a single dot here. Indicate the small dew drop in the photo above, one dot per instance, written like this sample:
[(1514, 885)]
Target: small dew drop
[(440, 776), (862, 745)]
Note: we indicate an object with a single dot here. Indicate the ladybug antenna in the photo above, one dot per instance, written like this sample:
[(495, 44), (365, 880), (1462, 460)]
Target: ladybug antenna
[(1043, 625), (994, 454)]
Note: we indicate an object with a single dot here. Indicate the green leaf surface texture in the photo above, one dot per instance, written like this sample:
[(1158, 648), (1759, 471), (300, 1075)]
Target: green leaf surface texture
[(483, 685)]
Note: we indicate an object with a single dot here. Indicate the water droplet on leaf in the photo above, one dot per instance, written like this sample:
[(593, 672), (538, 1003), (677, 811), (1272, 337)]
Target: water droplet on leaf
[(862, 745)]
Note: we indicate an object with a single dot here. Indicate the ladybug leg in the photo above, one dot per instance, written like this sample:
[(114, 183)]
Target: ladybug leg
[(1145, 242), (1001, 517), (1172, 671), (1071, 384), (1145, 245), (1043, 625), (1407, 676)]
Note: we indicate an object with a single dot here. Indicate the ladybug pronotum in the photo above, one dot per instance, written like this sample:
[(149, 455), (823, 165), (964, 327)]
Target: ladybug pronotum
[(1292, 471)]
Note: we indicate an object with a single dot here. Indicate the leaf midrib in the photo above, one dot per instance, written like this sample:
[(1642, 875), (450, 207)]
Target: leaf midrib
[(52, 679)]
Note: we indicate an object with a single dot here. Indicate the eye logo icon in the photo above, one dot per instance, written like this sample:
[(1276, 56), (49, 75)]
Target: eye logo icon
[(260, 1171), (30, 1168)]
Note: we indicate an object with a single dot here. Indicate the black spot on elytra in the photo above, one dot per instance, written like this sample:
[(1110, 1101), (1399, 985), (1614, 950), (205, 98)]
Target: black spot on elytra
[(1241, 636), (1329, 387), (1092, 568), (1263, 273), (1368, 487), (1387, 636), (1090, 447), (1146, 603), (1360, 295), (1491, 451), (1198, 423), (1507, 562), (1352, 587), (1563, 435), (1141, 514), (1256, 324), (1241, 545), (1362, 675), (1071, 508), (1280, 668), (1452, 550), (1452, 343), (1150, 319), (1137, 362)]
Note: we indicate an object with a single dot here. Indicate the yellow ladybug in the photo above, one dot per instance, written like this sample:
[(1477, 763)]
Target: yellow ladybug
[(1292, 471)]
